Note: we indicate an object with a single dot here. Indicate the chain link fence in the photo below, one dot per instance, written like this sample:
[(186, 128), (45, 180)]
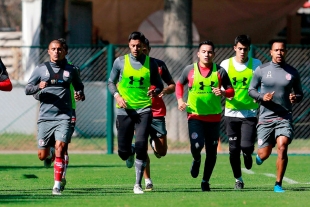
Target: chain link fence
[(19, 112)]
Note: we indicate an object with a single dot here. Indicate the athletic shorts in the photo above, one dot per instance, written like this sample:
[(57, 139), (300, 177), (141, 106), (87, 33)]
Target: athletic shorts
[(51, 131), (158, 127), (268, 131)]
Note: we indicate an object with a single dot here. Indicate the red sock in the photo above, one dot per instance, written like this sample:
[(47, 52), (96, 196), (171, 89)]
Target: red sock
[(58, 168), (66, 162)]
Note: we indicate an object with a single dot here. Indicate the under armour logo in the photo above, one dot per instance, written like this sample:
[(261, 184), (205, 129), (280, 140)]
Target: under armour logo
[(132, 80), (202, 85), (269, 74), (235, 81)]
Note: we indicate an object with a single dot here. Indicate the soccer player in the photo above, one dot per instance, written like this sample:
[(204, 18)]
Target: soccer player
[(241, 111), (203, 106), (51, 82), (5, 82), (276, 80), (158, 130), (134, 73)]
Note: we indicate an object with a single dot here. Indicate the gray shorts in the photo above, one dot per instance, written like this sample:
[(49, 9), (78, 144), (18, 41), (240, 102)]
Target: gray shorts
[(267, 132), (158, 127), (51, 131)]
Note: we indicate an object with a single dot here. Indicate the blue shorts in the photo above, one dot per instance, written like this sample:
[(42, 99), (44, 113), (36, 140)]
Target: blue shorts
[(269, 131)]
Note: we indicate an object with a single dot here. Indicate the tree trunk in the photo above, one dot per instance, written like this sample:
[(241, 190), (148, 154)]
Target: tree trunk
[(52, 20)]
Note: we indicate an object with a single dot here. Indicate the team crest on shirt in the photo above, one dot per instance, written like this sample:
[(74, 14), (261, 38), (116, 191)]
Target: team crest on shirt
[(66, 73), (288, 77), (259, 142), (41, 142), (194, 135), (269, 74)]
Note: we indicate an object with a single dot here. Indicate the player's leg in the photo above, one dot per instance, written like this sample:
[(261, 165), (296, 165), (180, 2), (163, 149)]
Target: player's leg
[(233, 131), (196, 137), (265, 140), (142, 130), (248, 135), (284, 133), (125, 132), (159, 139), (46, 140), (211, 136), (62, 137)]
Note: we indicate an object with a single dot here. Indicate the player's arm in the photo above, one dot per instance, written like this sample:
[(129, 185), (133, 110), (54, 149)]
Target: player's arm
[(298, 94), (255, 84), (78, 85), (167, 78), (179, 89), (228, 91), (155, 79), (35, 84), (113, 79)]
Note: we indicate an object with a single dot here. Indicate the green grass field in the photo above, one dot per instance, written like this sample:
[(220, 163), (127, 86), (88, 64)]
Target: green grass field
[(103, 180)]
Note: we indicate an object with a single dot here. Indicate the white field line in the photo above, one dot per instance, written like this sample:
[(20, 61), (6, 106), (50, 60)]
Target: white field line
[(247, 171), (290, 181)]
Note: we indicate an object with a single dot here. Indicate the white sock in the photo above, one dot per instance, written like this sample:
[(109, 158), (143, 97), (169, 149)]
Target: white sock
[(57, 184), (148, 181), (239, 179)]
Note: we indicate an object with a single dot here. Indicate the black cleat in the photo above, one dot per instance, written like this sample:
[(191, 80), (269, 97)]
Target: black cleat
[(195, 168), (205, 186), (239, 185)]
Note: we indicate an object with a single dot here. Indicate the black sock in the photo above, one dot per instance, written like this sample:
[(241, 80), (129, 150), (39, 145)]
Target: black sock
[(278, 183)]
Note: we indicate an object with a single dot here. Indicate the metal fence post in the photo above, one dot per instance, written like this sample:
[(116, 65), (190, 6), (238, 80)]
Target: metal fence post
[(110, 102)]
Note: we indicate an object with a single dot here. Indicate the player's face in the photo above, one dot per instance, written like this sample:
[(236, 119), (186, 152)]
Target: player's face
[(241, 52), (56, 52), (206, 54), (135, 47), (278, 52)]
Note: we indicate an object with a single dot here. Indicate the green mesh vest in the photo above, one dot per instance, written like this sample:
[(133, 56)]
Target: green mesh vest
[(241, 82), (72, 92), (201, 99), (135, 84)]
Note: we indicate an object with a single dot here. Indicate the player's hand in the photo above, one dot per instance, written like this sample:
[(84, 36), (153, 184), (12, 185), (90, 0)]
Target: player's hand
[(182, 105), (268, 96), (120, 101), (164, 92), (42, 84), (293, 98), (218, 91), (151, 93), (79, 96)]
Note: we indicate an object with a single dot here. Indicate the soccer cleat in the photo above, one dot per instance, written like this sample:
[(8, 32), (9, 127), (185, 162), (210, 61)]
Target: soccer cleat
[(149, 187), (239, 185), (153, 148), (48, 161), (205, 186), (131, 159), (195, 168), (248, 161), (56, 191), (258, 160), (137, 189), (63, 184), (278, 189)]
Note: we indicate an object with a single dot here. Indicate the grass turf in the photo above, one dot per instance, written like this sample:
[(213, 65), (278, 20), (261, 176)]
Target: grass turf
[(103, 180)]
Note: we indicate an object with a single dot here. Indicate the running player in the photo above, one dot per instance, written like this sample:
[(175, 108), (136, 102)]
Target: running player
[(133, 74), (276, 80), (158, 130), (241, 111), (204, 80)]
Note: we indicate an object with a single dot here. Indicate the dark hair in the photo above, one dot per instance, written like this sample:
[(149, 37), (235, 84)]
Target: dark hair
[(207, 42), (136, 36), (243, 39), (64, 44), (279, 41), (147, 43)]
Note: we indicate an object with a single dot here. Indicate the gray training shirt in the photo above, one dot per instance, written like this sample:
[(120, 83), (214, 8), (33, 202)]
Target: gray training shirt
[(281, 79), (55, 99), (116, 76)]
